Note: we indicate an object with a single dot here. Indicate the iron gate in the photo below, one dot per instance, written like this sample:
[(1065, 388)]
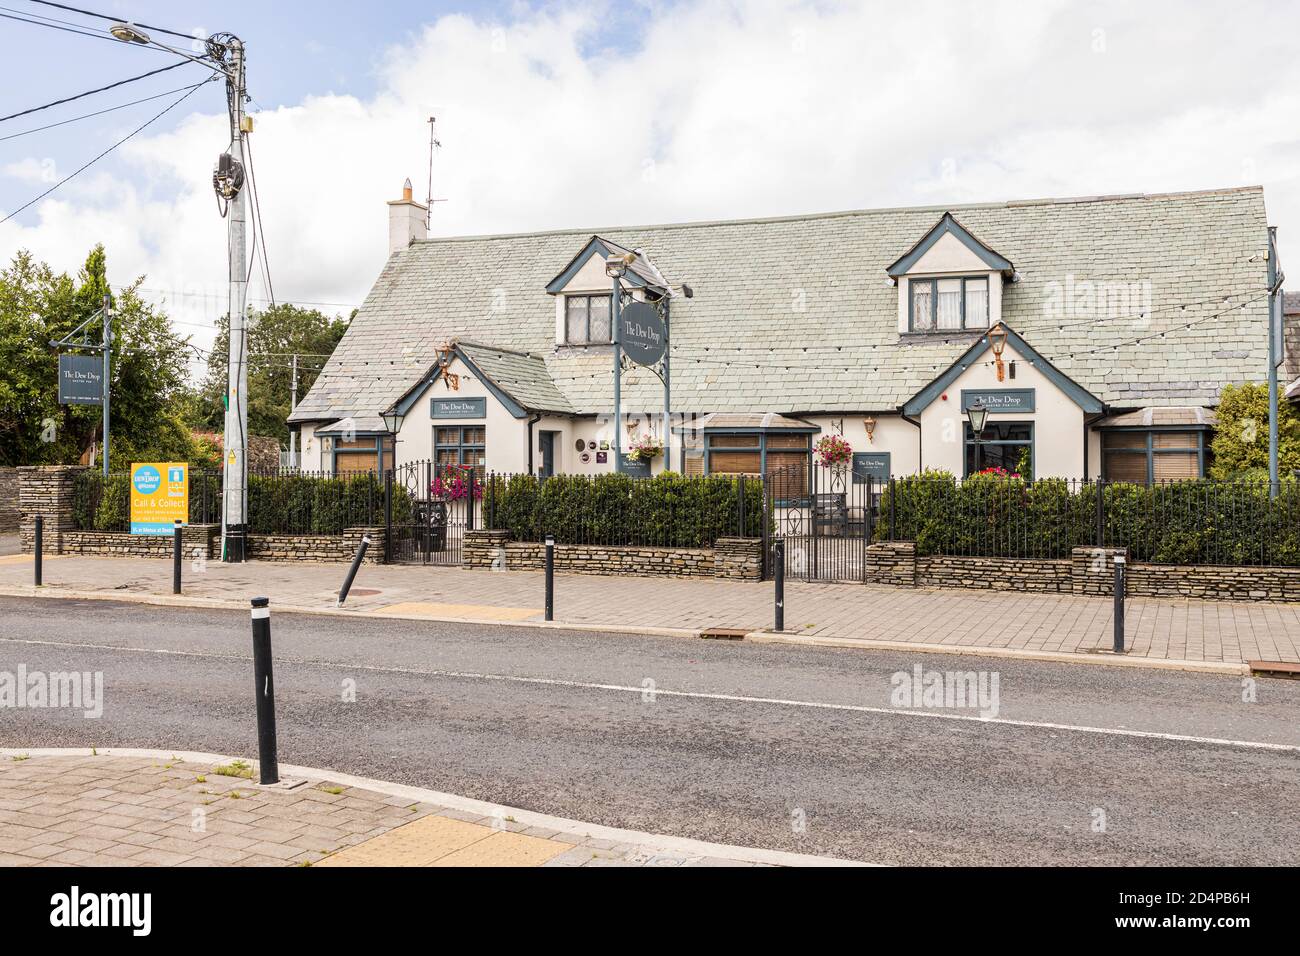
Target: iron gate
[(432, 508), (827, 517)]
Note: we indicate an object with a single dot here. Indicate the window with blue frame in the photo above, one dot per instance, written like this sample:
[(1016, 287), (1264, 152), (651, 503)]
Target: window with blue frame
[(782, 458), (460, 446), (365, 453), (1148, 456)]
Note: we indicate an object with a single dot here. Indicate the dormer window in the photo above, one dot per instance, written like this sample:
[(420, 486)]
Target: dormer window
[(948, 304), (586, 320)]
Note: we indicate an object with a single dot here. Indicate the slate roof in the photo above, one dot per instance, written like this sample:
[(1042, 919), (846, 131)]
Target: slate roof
[(796, 314), (529, 381), (1161, 417)]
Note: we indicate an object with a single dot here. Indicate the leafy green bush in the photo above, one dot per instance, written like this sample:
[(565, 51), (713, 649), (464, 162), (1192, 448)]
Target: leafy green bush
[(669, 510), (1185, 522)]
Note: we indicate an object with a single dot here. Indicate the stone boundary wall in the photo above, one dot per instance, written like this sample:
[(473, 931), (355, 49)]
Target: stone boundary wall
[(9, 510), (46, 490), (733, 558), (1088, 571), (204, 538), (995, 574), (317, 547)]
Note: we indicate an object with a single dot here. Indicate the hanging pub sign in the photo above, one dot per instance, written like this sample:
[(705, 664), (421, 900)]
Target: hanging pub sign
[(81, 380), (160, 494), (641, 333), (999, 400)]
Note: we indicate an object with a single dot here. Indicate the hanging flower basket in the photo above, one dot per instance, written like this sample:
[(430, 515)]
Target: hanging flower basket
[(452, 484), (833, 451), (645, 448)]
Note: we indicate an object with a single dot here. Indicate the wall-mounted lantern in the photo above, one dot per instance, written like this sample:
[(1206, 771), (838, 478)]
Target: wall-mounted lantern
[(998, 342), (869, 423)]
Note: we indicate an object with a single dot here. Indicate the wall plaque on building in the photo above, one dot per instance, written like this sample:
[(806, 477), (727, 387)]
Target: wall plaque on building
[(458, 408), (81, 380), (999, 400), (641, 333), (872, 465)]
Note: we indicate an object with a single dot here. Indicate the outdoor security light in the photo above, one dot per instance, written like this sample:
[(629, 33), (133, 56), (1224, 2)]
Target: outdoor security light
[(128, 33), (978, 416), (616, 266)]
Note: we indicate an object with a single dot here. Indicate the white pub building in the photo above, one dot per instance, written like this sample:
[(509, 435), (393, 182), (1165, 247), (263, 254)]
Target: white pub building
[(1094, 334)]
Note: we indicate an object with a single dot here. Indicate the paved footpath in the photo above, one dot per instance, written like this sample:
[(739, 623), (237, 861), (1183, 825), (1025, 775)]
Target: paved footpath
[(142, 808), (1010, 623)]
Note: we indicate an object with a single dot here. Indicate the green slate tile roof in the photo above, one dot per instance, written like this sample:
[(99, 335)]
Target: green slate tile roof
[(797, 315)]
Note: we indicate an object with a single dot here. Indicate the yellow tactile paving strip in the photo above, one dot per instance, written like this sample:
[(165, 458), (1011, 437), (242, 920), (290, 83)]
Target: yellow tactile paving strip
[(481, 612), (27, 558), (442, 841)]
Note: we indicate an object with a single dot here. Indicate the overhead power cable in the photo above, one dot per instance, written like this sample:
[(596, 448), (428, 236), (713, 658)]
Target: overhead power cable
[(69, 99), (110, 109), (111, 19), (83, 168), (54, 25)]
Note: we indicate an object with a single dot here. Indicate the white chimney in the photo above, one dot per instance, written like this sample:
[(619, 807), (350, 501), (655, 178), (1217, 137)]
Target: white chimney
[(407, 220)]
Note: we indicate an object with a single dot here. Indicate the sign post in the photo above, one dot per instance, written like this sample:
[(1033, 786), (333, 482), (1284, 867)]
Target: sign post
[(160, 497), (82, 379)]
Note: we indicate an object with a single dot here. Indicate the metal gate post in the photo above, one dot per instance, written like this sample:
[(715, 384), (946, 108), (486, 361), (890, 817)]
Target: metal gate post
[(388, 516)]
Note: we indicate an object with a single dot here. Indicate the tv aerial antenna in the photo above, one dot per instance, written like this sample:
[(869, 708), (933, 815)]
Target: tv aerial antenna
[(434, 144)]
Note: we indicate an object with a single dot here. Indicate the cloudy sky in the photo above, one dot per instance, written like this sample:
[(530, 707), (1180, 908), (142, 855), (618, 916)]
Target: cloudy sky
[(588, 114)]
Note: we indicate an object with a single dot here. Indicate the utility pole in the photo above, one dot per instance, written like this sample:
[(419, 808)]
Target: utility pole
[(235, 484), (108, 341), (1275, 354), (293, 403)]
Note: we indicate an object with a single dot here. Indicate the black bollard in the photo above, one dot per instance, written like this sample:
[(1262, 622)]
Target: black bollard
[(40, 549), (778, 560), (1119, 604), (176, 558), (352, 571), (550, 577), (268, 762)]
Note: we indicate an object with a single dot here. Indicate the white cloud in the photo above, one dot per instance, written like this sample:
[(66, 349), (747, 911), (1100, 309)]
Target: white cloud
[(724, 109)]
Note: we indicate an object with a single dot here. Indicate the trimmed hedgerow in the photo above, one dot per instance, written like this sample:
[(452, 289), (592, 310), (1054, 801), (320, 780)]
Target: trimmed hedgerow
[(669, 510), (1185, 522)]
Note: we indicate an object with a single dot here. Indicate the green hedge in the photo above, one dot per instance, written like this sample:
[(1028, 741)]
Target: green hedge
[(277, 504), (669, 510), (1186, 522)]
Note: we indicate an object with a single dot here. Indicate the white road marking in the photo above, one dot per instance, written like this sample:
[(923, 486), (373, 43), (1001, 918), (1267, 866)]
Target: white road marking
[(693, 695)]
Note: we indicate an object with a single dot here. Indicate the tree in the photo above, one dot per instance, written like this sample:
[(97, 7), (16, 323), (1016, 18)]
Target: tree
[(275, 335), (148, 382), (1240, 444)]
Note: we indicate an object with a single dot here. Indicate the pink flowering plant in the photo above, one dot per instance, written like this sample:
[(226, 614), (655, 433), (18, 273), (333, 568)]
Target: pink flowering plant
[(452, 484), (997, 471), (832, 450), (645, 448)]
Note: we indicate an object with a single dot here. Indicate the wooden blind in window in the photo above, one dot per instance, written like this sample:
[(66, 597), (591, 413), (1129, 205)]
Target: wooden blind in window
[(787, 473), (1126, 466), (734, 462), (1176, 466)]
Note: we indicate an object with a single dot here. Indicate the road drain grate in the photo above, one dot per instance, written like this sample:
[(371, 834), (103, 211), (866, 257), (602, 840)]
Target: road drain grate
[(1274, 669), (724, 633)]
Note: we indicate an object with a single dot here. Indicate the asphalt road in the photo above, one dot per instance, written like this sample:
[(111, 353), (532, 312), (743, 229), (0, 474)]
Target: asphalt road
[(762, 745)]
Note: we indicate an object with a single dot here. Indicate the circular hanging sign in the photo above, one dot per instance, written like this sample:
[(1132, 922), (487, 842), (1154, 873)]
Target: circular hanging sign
[(641, 333)]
